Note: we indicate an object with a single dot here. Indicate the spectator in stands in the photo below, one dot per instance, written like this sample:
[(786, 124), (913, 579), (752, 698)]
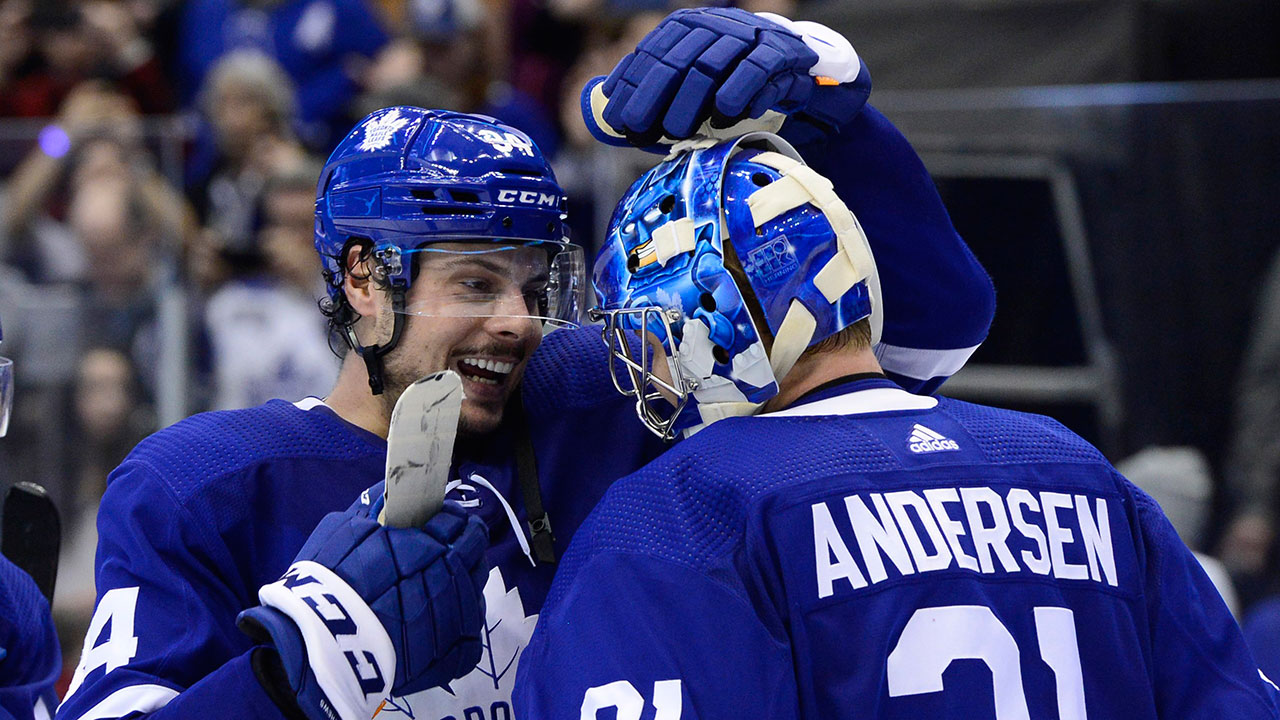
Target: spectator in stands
[(266, 339), (316, 42), (118, 219), (15, 51), (1181, 481), (578, 166), (111, 226), (1248, 544), (58, 45), (108, 416), (441, 61), (249, 105), (95, 141)]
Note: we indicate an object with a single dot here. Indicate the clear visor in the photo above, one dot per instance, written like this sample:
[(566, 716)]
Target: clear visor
[(545, 283), (642, 368), (6, 393)]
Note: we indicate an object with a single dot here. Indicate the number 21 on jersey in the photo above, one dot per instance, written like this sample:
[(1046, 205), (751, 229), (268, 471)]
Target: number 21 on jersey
[(934, 637), (622, 696)]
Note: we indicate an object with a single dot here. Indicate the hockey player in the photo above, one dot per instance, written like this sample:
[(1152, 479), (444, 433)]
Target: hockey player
[(443, 243), (828, 545), (205, 513), (30, 660)]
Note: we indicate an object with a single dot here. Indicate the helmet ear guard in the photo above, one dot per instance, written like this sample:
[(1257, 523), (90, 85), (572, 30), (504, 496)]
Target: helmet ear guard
[(344, 317), (802, 251)]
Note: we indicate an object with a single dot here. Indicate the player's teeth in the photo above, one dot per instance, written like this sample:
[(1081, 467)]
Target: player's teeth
[(491, 365)]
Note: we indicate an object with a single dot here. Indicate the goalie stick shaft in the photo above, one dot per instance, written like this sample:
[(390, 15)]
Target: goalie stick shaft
[(31, 534), (424, 425)]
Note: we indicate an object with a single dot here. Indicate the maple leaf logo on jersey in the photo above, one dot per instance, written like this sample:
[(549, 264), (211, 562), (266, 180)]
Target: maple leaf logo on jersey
[(379, 132), (506, 633)]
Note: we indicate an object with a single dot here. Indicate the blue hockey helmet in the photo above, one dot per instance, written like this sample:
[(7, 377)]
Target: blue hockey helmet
[(663, 269), (407, 180)]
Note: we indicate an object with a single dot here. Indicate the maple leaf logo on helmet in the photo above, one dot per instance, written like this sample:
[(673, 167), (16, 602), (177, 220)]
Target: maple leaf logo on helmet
[(379, 133)]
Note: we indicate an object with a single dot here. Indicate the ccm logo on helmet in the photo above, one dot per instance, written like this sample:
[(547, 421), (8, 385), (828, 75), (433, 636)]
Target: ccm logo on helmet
[(529, 197)]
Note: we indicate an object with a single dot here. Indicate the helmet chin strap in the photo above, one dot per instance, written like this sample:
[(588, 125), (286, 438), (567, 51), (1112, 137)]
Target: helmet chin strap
[(372, 354)]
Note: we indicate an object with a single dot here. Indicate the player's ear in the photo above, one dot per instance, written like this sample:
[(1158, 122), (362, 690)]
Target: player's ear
[(358, 285)]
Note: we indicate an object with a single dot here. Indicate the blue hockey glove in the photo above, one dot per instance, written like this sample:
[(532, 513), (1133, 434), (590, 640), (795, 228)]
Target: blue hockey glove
[(366, 611), (720, 72)]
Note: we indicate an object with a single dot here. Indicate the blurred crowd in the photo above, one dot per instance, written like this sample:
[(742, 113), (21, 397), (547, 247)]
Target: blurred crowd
[(154, 145)]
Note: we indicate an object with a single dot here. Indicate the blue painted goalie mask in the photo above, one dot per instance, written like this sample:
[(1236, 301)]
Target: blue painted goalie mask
[(663, 269)]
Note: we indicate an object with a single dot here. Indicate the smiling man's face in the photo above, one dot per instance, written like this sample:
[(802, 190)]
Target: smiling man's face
[(470, 309)]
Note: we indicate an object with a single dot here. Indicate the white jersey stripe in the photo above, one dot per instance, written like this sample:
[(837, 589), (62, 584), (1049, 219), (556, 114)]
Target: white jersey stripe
[(922, 364), (135, 698), (858, 403)]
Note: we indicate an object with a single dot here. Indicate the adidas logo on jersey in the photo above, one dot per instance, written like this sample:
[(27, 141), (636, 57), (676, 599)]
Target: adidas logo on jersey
[(924, 440)]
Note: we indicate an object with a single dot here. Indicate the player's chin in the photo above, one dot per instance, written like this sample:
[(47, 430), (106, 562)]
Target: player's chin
[(482, 410), (479, 418), (485, 400)]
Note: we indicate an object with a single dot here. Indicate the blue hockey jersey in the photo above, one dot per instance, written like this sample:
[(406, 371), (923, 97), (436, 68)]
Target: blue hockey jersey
[(205, 512), (30, 661), (870, 553)]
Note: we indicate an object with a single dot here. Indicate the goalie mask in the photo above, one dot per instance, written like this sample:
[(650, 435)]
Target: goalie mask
[(663, 270), (429, 186)]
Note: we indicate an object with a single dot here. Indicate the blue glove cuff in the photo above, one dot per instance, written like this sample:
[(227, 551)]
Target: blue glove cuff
[(269, 626), (592, 102), (830, 108)]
